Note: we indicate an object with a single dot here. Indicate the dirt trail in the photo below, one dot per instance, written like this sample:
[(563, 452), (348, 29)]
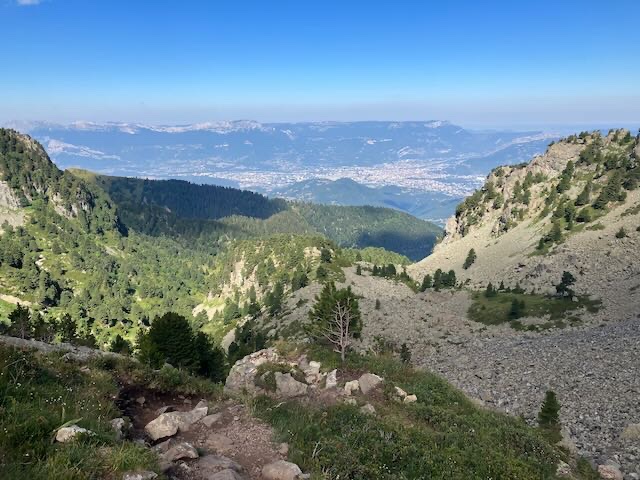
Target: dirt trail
[(234, 434)]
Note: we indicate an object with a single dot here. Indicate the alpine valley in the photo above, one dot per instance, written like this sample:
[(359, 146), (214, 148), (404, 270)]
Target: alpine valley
[(353, 342)]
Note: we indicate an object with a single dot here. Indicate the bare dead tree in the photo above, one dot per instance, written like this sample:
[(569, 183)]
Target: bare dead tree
[(337, 332)]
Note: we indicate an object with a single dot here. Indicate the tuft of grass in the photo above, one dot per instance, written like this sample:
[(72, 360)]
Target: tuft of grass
[(441, 436), (38, 394), (596, 226), (495, 310)]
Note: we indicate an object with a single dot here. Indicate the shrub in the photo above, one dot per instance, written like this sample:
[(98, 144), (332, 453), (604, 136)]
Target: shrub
[(405, 354), (471, 258), (621, 233)]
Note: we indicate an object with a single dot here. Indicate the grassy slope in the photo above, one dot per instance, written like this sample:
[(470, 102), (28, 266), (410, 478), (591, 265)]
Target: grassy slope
[(38, 394), (495, 310), (442, 436)]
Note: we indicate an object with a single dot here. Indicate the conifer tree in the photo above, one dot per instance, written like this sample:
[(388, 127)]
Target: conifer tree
[(67, 329), (20, 322), (471, 258), (427, 282), (548, 417)]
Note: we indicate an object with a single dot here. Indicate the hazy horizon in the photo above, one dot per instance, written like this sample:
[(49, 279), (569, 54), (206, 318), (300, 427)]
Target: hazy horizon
[(486, 66)]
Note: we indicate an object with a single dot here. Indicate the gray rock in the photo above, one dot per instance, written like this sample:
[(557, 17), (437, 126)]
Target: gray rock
[(281, 470), (242, 375), (214, 463), (227, 474), (66, 434), (368, 409), (332, 379), (141, 475), (168, 424), (313, 368), (289, 387), (410, 399), (178, 451), (369, 382), (352, 386), (211, 420), (119, 426), (400, 393)]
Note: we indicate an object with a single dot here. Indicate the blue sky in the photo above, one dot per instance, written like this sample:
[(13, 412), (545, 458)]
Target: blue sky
[(490, 63)]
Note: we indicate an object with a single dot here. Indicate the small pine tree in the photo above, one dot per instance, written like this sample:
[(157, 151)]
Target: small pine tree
[(427, 282), (20, 322), (471, 258), (377, 304), (556, 233), (517, 309), (437, 280), (211, 360), (325, 255), (621, 233), (490, 292), (67, 329), (564, 289), (405, 354), (501, 287), (358, 270), (548, 417), (120, 345)]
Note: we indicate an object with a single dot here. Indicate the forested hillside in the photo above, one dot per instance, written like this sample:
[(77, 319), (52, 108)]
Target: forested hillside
[(179, 208), (114, 259)]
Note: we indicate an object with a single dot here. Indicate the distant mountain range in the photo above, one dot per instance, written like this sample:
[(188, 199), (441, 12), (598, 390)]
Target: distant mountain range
[(420, 167)]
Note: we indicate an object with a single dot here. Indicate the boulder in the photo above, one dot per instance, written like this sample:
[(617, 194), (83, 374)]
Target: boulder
[(332, 379), (168, 424), (119, 426), (220, 443), (242, 375), (180, 450), (66, 434), (369, 382), (215, 463), (281, 470), (410, 399), (210, 420), (609, 472), (141, 475), (352, 386), (313, 368), (400, 393), (368, 409), (283, 449), (289, 387)]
